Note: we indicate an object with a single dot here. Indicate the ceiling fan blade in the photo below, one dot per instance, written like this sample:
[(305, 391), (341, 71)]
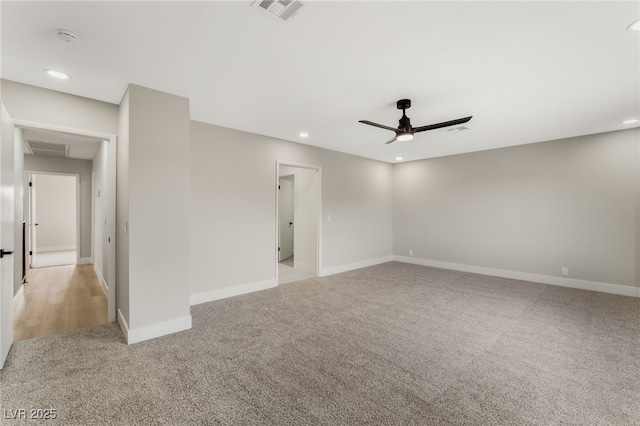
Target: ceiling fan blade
[(443, 124), (392, 140), (382, 126)]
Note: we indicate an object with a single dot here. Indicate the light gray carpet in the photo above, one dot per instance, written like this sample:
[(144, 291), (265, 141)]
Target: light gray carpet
[(390, 344)]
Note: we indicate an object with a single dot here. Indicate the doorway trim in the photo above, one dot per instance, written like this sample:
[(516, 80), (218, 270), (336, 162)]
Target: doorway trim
[(318, 171), (112, 139)]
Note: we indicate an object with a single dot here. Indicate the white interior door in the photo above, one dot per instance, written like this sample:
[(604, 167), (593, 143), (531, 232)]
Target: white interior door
[(285, 213), (33, 223), (6, 233)]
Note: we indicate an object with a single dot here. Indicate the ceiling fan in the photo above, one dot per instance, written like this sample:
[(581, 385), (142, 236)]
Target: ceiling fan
[(405, 130)]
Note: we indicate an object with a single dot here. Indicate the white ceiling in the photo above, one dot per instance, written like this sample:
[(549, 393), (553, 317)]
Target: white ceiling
[(527, 71)]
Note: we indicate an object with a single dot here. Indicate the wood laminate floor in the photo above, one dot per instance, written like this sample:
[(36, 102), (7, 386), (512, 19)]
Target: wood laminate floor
[(59, 299)]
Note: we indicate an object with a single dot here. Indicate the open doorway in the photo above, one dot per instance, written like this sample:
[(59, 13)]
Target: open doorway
[(286, 217), (69, 245), (53, 219), (298, 222)]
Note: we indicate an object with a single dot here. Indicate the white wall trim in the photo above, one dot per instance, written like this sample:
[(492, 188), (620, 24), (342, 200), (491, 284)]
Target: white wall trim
[(53, 127), (84, 261), (236, 290), (149, 332), (621, 290), (123, 325), (101, 278), (56, 248), (357, 265)]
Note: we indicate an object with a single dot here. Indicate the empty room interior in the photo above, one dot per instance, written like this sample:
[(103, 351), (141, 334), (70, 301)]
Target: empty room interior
[(317, 212)]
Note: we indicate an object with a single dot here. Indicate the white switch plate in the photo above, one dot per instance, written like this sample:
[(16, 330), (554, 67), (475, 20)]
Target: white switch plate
[(565, 271), (328, 218)]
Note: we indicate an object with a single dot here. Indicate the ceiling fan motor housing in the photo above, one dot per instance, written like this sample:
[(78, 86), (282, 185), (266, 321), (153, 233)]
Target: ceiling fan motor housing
[(404, 122)]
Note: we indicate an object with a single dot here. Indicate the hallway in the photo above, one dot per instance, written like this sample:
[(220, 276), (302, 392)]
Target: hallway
[(59, 299)]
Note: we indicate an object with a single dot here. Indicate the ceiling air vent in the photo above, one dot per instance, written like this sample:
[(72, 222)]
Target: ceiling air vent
[(44, 149), (281, 10), (67, 36)]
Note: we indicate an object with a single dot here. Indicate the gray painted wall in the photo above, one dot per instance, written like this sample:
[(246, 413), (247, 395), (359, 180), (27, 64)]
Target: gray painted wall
[(38, 105), (68, 165), (233, 206), (155, 162), (100, 230), (533, 208), (122, 211)]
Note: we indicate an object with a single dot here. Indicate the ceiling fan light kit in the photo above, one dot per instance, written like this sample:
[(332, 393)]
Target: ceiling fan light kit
[(405, 131)]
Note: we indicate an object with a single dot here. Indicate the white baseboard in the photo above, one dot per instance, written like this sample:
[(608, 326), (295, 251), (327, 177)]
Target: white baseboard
[(123, 325), (618, 289), (55, 248), (236, 290), (357, 265), (303, 267), (84, 261), (149, 332), (101, 278)]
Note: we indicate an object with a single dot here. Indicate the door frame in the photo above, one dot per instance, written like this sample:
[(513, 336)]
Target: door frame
[(318, 171), (28, 174), (112, 139)]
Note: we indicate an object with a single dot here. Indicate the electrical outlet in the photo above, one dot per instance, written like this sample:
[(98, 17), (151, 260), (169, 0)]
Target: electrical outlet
[(410, 252), (328, 218), (565, 271)]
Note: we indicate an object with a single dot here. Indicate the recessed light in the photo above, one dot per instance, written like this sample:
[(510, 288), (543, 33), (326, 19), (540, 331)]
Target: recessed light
[(304, 135), (634, 26), (57, 74), (398, 158), (630, 121)]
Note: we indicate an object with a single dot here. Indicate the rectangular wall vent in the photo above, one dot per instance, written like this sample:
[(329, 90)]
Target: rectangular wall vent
[(44, 149), (281, 10)]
